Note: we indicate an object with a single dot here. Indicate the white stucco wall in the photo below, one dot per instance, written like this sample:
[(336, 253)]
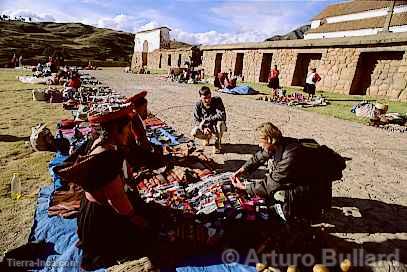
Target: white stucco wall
[(152, 37), (402, 28), (315, 23), (365, 14), (357, 16), (339, 34)]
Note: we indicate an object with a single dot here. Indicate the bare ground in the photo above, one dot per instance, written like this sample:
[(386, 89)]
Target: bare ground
[(371, 199)]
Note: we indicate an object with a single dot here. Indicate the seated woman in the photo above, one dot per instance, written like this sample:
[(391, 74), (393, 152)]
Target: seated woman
[(230, 83), (219, 81), (141, 153), (74, 82), (110, 226)]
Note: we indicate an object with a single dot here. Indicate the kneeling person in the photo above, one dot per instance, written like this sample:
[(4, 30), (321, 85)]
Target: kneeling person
[(210, 118), (299, 179)]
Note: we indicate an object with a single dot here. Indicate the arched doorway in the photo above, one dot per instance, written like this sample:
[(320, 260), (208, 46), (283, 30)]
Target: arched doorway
[(145, 53)]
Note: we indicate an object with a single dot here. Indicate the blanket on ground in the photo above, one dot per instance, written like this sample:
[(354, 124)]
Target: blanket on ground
[(240, 90)]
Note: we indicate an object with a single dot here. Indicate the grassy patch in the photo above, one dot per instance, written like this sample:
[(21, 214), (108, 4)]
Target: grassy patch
[(18, 114), (158, 71), (340, 104)]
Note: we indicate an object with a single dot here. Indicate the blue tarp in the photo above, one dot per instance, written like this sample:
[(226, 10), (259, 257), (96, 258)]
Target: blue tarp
[(242, 90), (57, 160), (57, 232), (214, 263), (60, 236)]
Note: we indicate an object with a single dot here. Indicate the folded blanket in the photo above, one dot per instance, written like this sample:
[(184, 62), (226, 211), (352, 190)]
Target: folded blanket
[(66, 203)]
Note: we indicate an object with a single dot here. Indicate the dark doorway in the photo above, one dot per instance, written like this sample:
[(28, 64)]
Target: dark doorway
[(179, 60), (239, 64), (218, 64), (366, 66), (161, 57), (302, 66), (145, 53), (265, 67), (169, 60)]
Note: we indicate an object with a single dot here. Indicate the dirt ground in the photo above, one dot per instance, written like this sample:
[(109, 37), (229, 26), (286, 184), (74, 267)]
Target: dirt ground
[(370, 202)]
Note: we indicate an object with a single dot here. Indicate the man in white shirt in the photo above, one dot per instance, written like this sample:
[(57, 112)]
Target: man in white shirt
[(311, 80)]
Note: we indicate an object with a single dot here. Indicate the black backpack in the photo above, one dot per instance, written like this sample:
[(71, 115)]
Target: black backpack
[(310, 200)]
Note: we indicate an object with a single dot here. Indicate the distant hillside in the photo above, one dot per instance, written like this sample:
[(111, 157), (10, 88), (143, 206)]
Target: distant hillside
[(293, 35), (75, 41)]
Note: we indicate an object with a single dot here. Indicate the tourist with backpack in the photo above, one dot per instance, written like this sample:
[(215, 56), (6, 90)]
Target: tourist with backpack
[(300, 173)]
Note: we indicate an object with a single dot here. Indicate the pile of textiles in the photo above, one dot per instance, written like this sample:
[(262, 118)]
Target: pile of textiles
[(159, 133), (91, 98), (211, 200), (34, 80), (364, 109), (295, 99), (393, 122), (89, 80), (239, 90)]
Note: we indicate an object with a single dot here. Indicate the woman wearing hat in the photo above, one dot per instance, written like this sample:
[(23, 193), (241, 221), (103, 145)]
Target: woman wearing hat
[(110, 227), (141, 152)]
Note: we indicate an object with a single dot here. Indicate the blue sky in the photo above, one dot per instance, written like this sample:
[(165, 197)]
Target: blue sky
[(193, 21)]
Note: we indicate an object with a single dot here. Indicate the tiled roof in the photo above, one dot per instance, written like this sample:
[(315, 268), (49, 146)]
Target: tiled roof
[(355, 6), (376, 22)]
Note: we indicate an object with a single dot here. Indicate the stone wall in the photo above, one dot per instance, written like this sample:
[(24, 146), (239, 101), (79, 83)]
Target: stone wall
[(383, 77), (398, 89), (339, 67)]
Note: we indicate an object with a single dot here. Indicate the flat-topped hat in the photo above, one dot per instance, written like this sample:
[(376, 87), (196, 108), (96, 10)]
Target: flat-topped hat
[(136, 98), (109, 116)]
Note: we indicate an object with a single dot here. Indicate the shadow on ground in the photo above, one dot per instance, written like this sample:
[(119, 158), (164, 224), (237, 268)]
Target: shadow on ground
[(12, 138), (240, 148)]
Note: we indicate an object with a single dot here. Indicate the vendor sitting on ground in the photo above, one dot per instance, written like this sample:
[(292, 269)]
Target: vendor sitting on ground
[(292, 185), (74, 82), (210, 118), (141, 151), (219, 81), (110, 228)]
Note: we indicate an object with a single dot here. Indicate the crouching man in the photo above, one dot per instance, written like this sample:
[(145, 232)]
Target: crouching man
[(209, 118), (300, 174)]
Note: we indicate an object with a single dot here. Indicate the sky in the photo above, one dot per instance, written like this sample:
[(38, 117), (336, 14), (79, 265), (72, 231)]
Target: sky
[(191, 21)]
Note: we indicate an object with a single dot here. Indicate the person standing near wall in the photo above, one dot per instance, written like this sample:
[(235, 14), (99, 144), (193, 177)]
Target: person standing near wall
[(20, 61), (274, 82), (311, 80)]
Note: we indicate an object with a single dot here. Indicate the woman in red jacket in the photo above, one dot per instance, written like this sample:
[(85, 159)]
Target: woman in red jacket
[(74, 82), (111, 226), (274, 82)]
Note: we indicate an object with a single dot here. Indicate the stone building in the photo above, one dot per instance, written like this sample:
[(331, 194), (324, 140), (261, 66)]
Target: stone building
[(373, 65), (154, 49), (360, 63)]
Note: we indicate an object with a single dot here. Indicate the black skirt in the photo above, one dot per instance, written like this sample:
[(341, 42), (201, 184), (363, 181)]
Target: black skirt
[(274, 83), (106, 235), (309, 88)]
